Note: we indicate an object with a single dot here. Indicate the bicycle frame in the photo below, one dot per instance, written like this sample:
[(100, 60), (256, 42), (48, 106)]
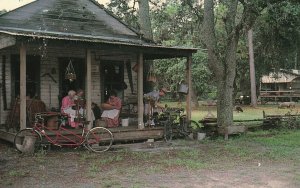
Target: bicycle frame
[(98, 139), (70, 139)]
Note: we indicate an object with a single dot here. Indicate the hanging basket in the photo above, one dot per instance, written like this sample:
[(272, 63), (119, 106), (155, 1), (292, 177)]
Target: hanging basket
[(70, 72), (70, 76), (151, 77)]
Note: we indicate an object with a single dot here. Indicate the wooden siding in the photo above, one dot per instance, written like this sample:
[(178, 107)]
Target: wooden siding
[(4, 113)]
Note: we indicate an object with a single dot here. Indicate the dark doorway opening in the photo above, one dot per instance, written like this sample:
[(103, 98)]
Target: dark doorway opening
[(66, 85), (32, 76), (112, 78)]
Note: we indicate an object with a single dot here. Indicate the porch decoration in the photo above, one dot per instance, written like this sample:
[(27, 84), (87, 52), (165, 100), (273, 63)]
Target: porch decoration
[(151, 77), (70, 72)]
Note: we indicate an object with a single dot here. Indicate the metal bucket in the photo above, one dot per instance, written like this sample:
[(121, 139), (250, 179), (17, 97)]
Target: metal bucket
[(183, 88)]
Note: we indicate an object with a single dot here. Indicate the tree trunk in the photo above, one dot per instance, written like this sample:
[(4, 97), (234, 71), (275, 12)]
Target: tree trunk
[(297, 61), (224, 104), (194, 100), (144, 21), (252, 69), (146, 30), (222, 65)]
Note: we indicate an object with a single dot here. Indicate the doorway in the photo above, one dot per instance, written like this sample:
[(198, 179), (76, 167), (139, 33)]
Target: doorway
[(66, 85), (112, 78), (32, 76)]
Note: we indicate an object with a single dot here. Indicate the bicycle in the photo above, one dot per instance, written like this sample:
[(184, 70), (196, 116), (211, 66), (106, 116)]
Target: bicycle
[(98, 139), (176, 124)]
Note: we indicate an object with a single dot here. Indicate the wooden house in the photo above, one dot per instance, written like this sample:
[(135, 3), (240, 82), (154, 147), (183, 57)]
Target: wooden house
[(283, 85), (40, 39)]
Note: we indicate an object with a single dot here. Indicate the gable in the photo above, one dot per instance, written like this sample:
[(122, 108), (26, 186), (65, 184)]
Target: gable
[(67, 18)]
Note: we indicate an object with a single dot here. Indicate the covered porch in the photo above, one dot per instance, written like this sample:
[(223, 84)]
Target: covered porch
[(36, 51)]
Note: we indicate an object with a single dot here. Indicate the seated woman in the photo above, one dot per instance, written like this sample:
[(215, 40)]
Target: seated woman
[(66, 107), (81, 104), (111, 110)]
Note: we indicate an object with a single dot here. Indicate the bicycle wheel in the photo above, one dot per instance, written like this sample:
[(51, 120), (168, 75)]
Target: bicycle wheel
[(168, 131), (98, 139), (24, 139)]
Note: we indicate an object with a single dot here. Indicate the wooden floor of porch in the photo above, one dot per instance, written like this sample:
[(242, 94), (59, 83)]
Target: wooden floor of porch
[(121, 134)]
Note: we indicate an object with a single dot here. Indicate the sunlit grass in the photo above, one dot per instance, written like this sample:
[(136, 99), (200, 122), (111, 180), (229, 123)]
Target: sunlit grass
[(249, 113)]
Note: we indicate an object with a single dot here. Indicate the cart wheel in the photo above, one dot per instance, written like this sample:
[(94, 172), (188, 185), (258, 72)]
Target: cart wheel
[(28, 140), (99, 139)]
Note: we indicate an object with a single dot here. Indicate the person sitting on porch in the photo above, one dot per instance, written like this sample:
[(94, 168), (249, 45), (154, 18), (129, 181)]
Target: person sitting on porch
[(81, 102), (111, 110), (67, 108), (79, 94)]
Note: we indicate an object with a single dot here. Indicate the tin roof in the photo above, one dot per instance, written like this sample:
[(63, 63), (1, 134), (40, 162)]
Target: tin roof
[(75, 20), (282, 76), (67, 18)]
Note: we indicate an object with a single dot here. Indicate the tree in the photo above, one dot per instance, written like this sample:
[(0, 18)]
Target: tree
[(252, 68), (125, 12), (222, 47), (177, 23), (144, 19), (278, 31)]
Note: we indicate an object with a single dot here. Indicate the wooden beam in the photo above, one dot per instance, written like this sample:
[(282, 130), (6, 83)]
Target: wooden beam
[(6, 41), (140, 92), (89, 87), (189, 82), (22, 86)]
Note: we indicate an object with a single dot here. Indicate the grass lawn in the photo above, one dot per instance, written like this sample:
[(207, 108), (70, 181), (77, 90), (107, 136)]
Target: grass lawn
[(249, 113), (255, 159)]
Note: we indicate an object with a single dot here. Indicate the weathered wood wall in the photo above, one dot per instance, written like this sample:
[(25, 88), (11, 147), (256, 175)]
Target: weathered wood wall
[(49, 60)]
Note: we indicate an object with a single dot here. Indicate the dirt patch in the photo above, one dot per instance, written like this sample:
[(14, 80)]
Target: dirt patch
[(158, 164)]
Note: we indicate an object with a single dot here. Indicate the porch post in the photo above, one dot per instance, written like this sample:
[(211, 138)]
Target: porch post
[(140, 92), (89, 88), (189, 82), (22, 86)]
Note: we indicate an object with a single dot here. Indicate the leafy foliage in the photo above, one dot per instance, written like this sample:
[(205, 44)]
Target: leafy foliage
[(177, 23), (277, 36), (126, 13)]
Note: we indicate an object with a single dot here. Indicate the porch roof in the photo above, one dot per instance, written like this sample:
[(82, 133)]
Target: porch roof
[(80, 20), (279, 77)]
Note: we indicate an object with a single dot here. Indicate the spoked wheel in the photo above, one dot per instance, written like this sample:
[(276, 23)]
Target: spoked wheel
[(28, 140), (168, 131), (99, 139)]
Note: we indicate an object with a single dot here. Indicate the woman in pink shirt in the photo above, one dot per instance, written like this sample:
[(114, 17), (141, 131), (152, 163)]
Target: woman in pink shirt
[(66, 107)]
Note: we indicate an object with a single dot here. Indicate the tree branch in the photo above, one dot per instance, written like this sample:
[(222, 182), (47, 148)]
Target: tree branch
[(210, 38)]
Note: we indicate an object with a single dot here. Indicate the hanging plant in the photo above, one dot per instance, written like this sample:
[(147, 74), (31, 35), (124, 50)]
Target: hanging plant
[(151, 77), (70, 72)]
